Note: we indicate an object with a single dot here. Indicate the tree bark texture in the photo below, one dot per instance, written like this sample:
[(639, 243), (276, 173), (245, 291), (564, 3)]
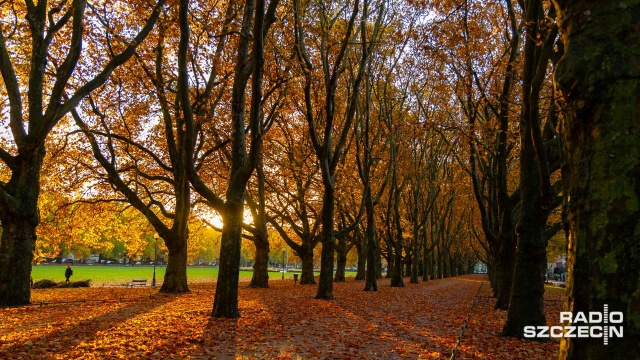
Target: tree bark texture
[(260, 278), (415, 259), (17, 242), (398, 275), (371, 246), (362, 258), (599, 79), (225, 302), (175, 277), (325, 283), (425, 264), (504, 270), (390, 263), (341, 260), (306, 257), (16, 254)]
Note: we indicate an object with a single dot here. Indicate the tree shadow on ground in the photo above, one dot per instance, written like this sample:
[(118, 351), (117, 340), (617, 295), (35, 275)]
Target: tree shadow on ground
[(287, 320), (221, 344), (62, 335)]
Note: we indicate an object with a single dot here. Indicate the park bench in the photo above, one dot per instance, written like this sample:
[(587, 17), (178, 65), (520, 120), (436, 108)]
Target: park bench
[(137, 282)]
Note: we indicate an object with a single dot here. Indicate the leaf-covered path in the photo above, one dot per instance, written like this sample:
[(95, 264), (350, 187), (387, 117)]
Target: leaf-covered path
[(418, 321)]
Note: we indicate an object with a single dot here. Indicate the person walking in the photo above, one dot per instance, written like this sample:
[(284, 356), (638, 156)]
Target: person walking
[(68, 273)]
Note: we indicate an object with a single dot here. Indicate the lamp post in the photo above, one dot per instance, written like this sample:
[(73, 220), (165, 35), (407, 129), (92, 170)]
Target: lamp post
[(282, 264), (155, 258)]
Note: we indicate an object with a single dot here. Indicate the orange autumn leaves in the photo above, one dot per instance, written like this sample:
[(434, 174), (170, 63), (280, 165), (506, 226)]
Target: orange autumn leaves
[(481, 338), (285, 321)]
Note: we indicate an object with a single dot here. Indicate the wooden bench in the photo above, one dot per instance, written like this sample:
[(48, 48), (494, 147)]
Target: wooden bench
[(137, 282)]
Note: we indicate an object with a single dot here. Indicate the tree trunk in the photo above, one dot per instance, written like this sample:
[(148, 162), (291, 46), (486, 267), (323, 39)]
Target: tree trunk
[(505, 248), (415, 263), (362, 260), (425, 267), (260, 278), (325, 283), (600, 82), (175, 276), (504, 272), (491, 274), (341, 260), (440, 263), (425, 258), (454, 265), (17, 242), (390, 264), (526, 304), (446, 266), (372, 244), (16, 255), (434, 273), (372, 267), (327, 151), (306, 257), (225, 303), (396, 276), (378, 265)]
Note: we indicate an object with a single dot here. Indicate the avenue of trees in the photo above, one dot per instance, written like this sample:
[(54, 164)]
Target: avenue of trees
[(418, 137)]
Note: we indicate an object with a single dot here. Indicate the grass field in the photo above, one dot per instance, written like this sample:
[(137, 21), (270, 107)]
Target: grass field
[(107, 274)]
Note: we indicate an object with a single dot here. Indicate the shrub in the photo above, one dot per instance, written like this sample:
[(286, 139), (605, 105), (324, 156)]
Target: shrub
[(50, 284), (75, 284), (44, 284)]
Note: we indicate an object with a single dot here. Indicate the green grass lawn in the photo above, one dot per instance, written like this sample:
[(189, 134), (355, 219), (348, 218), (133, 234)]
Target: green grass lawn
[(118, 274)]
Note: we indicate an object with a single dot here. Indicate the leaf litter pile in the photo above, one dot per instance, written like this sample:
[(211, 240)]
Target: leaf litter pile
[(283, 322)]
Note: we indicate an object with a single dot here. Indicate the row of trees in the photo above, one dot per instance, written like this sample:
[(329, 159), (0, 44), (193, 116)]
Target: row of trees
[(152, 134), (425, 136), (114, 231)]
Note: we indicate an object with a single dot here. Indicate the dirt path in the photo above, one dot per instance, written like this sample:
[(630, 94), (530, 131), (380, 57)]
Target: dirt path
[(417, 321)]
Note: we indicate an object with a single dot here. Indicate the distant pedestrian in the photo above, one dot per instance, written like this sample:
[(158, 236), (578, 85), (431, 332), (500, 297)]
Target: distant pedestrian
[(68, 273)]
